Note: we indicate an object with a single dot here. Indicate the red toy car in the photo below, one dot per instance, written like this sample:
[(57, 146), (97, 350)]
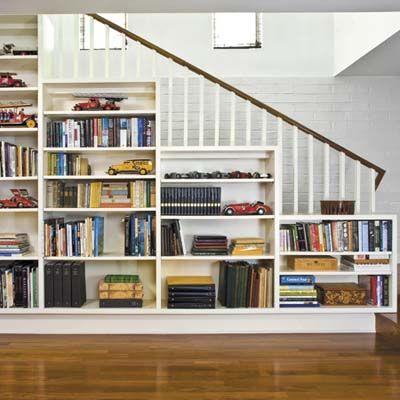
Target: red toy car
[(95, 104), (7, 80), (21, 199), (255, 208), (13, 114)]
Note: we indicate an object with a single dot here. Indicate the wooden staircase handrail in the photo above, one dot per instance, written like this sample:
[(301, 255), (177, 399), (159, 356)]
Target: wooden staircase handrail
[(380, 171)]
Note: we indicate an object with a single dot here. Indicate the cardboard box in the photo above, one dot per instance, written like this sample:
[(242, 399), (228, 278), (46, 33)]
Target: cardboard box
[(312, 263)]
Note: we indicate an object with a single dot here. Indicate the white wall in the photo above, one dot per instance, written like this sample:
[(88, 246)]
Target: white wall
[(356, 34)]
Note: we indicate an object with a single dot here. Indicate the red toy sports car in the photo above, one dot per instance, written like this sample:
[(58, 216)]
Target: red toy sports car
[(21, 199), (255, 208), (7, 80)]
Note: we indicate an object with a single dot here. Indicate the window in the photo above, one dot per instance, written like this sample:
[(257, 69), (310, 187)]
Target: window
[(99, 34), (237, 30)]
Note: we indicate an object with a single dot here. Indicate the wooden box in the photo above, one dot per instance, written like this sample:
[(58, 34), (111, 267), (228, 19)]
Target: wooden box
[(312, 263), (341, 294)]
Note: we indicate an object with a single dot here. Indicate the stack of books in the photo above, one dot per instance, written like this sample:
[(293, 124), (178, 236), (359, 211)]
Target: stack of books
[(101, 132), (18, 285), (377, 289), (247, 246), (14, 244), (245, 285), (172, 243), (362, 263), (64, 284), (74, 238), (210, 245), (16, 160), (65, 164), (191, 292), (297, 291), (121, 291), (140, 235)]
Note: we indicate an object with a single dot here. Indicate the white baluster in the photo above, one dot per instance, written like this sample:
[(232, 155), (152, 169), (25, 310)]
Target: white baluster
[(107, 53), (217, 112), (310, 174), (233, 118), (279, 137), (372, 203), (138, 59), (123, 56), (248, 123), (342, 177), (185, 109), (170, 88), (357, 189), (326, 171), (60, 43), (154, 63), (264, 128), (91, 47), (76, 45), (201, 110), (295, 171)]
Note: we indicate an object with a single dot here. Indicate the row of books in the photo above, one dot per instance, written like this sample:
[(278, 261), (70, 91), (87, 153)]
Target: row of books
[(377, 289), (121, 291), (242, 284), (66, 164), (190, 200), (337, 236), (101, 132), (191, 292), (133, 194), (140, 235), (172, 243), (14, 244), (298, 291), (16, 160), (74, 238), (18, 285), (64, 284)]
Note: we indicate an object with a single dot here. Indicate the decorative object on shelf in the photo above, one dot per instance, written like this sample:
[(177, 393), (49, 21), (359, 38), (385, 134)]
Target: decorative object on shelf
[(341, 294), (377, 288), (14, 244), (121, 291), (101, 132), (366, 264), (190, 200), (297, 291), (67, 164), (217, 175), (94, 102), (141, 167), (20, 199), (7, 80), (210, 245), (13, 114), (366, 235), (337, 207), (17, 160), (11, 49), (247, 246), (64, 284), (191, 292), (312, 263), (242, 284), (19, 285), (255, 208)]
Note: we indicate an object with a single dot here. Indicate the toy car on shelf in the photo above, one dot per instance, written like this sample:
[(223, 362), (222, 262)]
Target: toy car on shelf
[(216, 175), (255, 208), (11, 49), (12, 114), (7, 80), (20, 199), (141, 167), (94, 102)]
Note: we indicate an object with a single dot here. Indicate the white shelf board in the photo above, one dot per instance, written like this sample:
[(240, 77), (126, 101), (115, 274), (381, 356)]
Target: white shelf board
[(261, 180), (368, 309), (20, 310), (19, 178), (19, 58), (216, 149), (105, 257), (334, 253), (18, 210), (328, 217), (99, 177), (219, 217), (103, 210), (97, 149), (98, 113), (189, 257), (335, 273), (27, 257), (29, 89), (18, 130)]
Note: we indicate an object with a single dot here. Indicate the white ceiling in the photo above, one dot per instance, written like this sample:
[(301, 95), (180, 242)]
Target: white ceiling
[(177, 6)]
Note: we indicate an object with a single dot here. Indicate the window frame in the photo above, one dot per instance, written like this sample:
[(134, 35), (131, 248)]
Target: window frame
[(257, 43), (82, 34)]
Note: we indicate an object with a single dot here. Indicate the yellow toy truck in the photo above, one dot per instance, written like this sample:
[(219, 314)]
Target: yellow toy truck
[(141, 167)]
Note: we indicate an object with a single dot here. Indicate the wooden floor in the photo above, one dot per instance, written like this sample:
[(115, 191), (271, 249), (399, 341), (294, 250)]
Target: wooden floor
[(342, 366)]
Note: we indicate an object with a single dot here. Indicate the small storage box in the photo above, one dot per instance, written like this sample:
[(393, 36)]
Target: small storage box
[(312, 263), (337, 294)]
